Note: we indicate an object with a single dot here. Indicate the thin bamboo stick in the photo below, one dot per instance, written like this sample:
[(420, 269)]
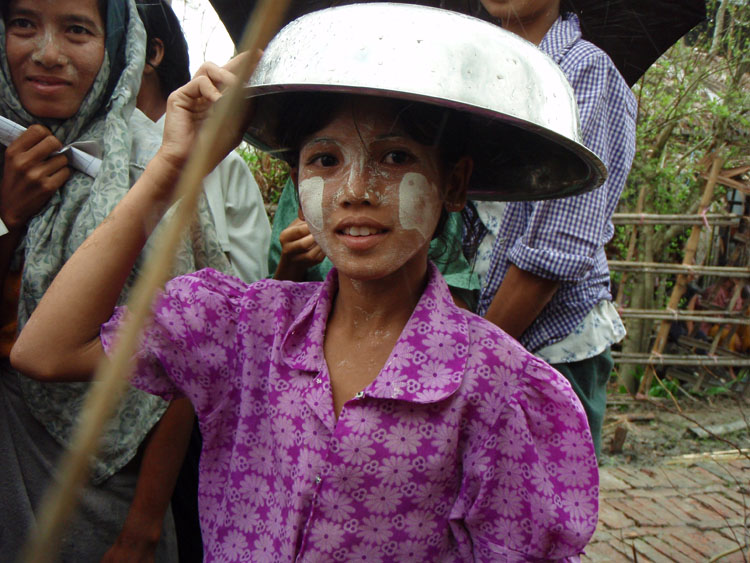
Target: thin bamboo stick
[(111, 376), (713, 219), (680, 360), (719, 317), (682, 269)]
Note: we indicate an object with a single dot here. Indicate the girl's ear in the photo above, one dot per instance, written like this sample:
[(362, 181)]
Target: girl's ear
[(154, 55), (458, 183)]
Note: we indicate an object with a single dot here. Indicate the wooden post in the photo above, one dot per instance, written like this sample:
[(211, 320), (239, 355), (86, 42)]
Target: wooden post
[(681, 281), (631, 248)]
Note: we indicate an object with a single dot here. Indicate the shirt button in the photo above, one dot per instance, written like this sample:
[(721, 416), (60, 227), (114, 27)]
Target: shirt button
[(360, 394), (318, 380), (318, 479)]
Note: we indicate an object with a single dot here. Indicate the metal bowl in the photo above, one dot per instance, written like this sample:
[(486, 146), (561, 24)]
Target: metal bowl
[(525, 134)]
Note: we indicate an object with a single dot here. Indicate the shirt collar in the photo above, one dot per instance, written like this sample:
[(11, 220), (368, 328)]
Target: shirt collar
[(560, 37), (427, 363)]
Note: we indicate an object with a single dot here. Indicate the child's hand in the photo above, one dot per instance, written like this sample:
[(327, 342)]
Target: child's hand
[(299, 251), (30, 175)]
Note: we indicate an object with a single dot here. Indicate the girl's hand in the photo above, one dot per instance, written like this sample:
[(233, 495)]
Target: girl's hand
[(188, 107), (30, 175), (299, 252)]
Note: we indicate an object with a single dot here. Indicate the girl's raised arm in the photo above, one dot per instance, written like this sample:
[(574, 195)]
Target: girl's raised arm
[(61, 341)]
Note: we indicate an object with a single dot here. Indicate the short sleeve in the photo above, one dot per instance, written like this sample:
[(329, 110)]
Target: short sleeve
[(531, 482), (189, 347)]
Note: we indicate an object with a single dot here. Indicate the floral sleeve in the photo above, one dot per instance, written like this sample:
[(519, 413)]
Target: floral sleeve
[(535, 493), (188, 349)]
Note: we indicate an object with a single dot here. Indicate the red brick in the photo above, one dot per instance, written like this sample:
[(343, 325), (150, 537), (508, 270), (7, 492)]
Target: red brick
[(710, 472), (645, 550), (734, 501), (684, 478), (601, 552), (676, 512), (716, 469), (736, 534), (644, 512), (632, 476), (708, 542), (682, 544), (608, 482), (669, 547), (727, 509), (611, 517), (705, 516)]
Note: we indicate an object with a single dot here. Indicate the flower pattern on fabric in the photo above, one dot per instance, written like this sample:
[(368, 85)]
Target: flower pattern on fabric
[(440, 458)]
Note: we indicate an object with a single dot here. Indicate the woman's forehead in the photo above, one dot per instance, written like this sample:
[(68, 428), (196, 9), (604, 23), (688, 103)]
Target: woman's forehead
[(83, 11)]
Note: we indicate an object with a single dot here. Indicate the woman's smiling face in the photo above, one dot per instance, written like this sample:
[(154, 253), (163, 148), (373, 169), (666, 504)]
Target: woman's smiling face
[(54, 49), (371, 195)]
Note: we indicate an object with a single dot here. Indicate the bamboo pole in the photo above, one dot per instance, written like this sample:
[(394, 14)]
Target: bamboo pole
[(713, 219), (683, 269), (631, 247), (718, 317), (681, 282), (680, 360), (111, 377)]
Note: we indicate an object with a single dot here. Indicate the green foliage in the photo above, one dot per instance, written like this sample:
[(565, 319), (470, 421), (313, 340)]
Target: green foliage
[(663, 389), (270, 173)]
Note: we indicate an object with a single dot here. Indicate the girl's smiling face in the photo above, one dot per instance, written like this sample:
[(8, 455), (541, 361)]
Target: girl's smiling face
[(371, 194), (54, 49)]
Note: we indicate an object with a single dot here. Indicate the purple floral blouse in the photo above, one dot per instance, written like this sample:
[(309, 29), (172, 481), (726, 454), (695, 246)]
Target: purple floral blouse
[(464, 448)]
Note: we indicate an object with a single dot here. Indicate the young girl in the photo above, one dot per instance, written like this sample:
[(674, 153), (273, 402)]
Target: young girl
[(70, 74), (365, 417)]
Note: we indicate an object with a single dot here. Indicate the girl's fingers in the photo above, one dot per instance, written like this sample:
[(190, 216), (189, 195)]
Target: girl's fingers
[(221, 77)]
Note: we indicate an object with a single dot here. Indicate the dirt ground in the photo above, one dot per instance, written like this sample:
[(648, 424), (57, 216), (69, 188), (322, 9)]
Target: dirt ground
[(656, 430)]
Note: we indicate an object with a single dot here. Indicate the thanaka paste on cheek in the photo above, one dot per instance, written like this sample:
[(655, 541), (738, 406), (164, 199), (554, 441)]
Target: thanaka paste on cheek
[(311, 200), (416, 195)]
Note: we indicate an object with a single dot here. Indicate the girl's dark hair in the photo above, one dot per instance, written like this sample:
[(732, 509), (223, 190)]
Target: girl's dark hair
[(161, 23), (303, 114)]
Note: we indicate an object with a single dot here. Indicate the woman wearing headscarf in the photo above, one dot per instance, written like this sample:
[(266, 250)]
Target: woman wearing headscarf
[(69, 73)]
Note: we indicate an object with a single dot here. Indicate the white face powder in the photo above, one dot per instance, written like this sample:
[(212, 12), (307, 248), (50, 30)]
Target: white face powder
[(414, 202), (311, 201)]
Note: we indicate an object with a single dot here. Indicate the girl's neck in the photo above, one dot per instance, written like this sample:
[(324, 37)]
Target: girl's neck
[(364, 326), (367, 306)]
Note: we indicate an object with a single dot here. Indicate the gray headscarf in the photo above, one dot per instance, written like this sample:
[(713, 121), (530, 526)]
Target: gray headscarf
[(106, 116)]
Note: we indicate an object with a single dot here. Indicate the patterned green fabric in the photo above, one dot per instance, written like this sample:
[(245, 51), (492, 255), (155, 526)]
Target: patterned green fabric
[(128, 141), (455, 268)]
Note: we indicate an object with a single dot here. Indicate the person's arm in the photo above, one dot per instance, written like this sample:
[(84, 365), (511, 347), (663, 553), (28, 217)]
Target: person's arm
[(563, 236), (519, 300), (247, 226), (61, 339), (162, 458)]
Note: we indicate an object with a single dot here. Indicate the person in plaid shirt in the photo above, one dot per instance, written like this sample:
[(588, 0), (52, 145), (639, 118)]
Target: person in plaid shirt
[(542, 264)]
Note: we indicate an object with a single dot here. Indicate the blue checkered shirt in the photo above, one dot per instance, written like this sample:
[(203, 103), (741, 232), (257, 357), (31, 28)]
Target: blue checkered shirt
[(563, 239)]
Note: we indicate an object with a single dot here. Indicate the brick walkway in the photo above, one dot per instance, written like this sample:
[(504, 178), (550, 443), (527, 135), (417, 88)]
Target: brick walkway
[(695, 510)]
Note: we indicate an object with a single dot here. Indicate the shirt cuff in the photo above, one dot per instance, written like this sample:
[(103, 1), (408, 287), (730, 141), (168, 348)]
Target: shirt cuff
[(3, 229), (549, 263)]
